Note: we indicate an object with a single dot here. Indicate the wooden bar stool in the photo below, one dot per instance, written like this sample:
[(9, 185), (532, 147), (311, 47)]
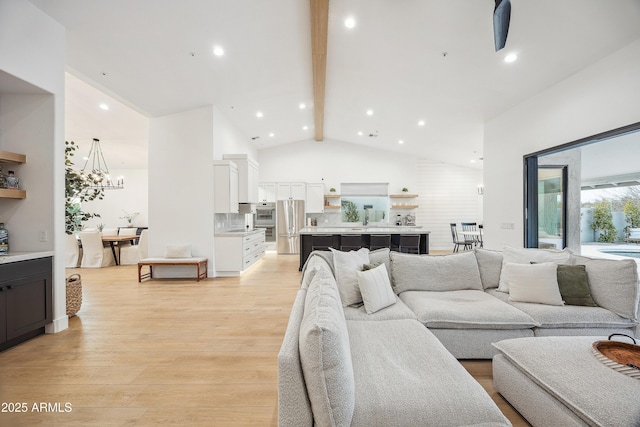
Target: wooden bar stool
[(380, 241)]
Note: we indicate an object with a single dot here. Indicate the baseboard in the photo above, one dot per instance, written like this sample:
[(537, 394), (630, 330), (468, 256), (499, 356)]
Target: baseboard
[(58, 325)]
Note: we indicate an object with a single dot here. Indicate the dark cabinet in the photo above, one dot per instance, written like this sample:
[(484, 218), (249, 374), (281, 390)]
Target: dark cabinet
[(25, 300)]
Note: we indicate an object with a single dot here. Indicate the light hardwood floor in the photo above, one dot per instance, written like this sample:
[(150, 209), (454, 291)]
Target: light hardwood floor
[(166, 352)]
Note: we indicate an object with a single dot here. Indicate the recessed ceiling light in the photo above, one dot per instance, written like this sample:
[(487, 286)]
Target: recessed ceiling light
[(421, 123), (305, 127), (350, 22), (218, 51), (272, 134), (369, 112), (259, 114), (473, 160), (510, 57), (401, 142), (360, 133), (104, 107), (85, 158), (302, 106)]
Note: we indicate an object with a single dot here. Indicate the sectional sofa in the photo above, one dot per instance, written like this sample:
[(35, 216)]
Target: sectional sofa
[(379, 347)]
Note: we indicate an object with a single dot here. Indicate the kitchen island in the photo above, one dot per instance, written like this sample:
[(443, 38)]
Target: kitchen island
[(365, 233)]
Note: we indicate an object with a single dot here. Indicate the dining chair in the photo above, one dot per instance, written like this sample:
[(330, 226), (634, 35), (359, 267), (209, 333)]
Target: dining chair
[(470, 238), (71, 251), (457, 242), (131, 254), (127, 231), (109, 231), (94, 254)]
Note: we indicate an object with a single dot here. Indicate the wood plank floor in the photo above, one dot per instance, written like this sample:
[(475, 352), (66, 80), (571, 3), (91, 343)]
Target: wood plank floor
[(166, 352)]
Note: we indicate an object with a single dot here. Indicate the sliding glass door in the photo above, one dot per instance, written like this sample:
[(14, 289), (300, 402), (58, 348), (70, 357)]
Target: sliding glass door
[(546, 205)]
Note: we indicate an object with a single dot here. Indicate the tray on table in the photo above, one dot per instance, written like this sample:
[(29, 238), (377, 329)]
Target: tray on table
[(619, 356)]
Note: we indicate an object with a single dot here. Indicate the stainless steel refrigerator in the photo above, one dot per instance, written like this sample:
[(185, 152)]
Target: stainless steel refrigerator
[(290, 216)]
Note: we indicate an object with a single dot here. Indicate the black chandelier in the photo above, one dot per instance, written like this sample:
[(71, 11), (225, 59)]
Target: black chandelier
[(98, 176)]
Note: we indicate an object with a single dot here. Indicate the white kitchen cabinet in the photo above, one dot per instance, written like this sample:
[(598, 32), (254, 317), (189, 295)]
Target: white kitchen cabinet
[(315, 198), (225, 186), (236, 252), (291, 190), (267, 192), (247, 177)]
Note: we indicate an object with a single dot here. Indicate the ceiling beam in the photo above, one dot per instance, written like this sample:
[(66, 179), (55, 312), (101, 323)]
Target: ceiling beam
[(319, 25)]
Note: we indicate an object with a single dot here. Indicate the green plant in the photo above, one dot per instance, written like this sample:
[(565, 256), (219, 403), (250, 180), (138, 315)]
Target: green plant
[(405, 189), (332, 190), (77, 189), (603, 221), (350, 211), (632, 214)]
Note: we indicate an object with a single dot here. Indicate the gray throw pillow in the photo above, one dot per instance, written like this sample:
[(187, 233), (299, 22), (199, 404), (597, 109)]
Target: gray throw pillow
[(574, 285)]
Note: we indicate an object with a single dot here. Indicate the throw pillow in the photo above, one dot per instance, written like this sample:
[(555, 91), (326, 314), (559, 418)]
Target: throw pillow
[(574, 285), (376, 289), (536, 283), (177, 251), (528, 255), (345, 265)]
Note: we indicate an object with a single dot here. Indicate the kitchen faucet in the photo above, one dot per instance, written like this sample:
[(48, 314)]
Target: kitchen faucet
[(366, 217)]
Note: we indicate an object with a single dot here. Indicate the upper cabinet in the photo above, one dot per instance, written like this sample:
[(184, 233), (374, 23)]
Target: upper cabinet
[(225, 186), (247, 177), (267, 192), (291, 190), (315, 198), (8, 159)]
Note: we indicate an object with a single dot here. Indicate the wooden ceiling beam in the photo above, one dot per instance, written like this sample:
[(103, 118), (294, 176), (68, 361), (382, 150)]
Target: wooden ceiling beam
[(319, 28)]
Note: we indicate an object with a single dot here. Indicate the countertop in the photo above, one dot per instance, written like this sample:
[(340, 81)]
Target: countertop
[(364, 230), (239, 232), (23, 256)]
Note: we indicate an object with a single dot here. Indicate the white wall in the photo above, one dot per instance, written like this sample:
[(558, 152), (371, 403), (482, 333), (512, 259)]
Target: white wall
[(32, 48), (228, 140), (181, 182), (448, 193), (601, 97), (333, 162), (134, 197)]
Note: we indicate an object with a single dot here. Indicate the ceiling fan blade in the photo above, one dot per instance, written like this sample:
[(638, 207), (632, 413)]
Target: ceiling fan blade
[(501, 18)]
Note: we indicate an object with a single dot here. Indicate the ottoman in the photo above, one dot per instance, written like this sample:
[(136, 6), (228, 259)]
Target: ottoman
[(557, 381)]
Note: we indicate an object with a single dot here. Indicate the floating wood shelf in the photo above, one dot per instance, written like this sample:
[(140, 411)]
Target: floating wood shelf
[(331, 196), (9, 157), (404, 206), (403, 196), (12, 194), (332, 207)]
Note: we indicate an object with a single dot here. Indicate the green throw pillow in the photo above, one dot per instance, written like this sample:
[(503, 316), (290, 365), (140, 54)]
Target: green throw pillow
[(574, 285), (366, 267)]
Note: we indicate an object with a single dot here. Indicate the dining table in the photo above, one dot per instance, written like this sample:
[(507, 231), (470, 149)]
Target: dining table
[(112, 240)]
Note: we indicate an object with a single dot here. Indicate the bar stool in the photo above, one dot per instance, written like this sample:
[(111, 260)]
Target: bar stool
[(409, 243), (350, 242), (321, 242), (380, 241)]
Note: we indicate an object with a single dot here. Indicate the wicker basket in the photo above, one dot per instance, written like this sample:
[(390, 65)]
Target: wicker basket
[(74, 294)]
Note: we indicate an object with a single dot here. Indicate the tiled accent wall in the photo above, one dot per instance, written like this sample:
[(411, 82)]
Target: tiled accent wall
[(447, 193)]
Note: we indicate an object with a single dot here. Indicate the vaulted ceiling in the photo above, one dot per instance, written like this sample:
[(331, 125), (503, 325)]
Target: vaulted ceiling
[(406, 61)]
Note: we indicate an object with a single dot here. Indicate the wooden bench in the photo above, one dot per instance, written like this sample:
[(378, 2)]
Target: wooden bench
[(201, 265)]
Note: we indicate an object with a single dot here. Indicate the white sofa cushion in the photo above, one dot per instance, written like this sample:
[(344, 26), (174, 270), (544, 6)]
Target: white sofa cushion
[(466, 309), (568, 316), (527, 256), (613, 284), (435, 273), (375, 289), (535, 283), (396, 311), (325, 353), (490, 266), (405, 377), (345, 265)]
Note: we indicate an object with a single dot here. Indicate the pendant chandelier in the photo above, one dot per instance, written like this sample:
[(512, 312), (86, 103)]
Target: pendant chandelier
[(98, 173)]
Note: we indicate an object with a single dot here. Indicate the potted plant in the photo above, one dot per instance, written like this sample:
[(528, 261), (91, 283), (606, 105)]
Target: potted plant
[(78, 188), (129, 216), (405, 190), (332, 190)]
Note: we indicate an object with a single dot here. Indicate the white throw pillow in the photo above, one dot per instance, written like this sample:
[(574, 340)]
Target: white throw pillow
[(529, 255), (177, 251), (346, 264), (537, 283), (375, 288)]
